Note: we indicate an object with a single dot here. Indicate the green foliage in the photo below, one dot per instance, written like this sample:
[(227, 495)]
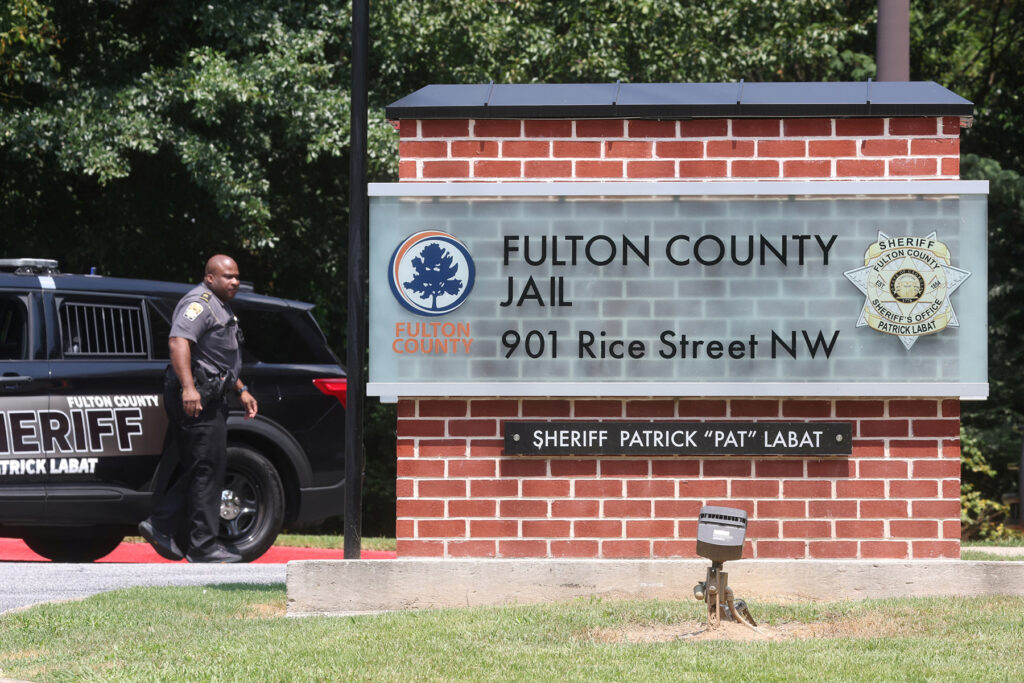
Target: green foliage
[(27, 41), (981, 515), (975, 48), (982, 518), (1006, 280), (522, 41), (991, 435)]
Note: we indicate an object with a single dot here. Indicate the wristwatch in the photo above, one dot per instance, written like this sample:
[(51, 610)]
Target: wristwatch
[(243, 389)]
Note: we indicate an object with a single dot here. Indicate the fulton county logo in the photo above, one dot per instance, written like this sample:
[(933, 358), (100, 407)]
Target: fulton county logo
[(907, 282), (431, 273)]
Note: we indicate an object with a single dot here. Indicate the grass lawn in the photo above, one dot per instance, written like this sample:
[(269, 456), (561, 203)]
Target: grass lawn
[(239, 632), (1016, 542), (316, 541), (979, 555), (976, 550), (328, 541)]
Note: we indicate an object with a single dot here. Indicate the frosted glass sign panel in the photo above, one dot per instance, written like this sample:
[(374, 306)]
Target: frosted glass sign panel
[(642, 291)]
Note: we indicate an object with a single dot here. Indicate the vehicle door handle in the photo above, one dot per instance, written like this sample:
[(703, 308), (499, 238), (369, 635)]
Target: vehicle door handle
[(15, 379)]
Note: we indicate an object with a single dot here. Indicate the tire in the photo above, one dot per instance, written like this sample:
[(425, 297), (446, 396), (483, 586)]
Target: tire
[(73, 545), (252, 503)]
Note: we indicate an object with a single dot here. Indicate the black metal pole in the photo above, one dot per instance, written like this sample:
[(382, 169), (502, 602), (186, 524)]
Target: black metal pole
[(1020, 484), (357, 230)]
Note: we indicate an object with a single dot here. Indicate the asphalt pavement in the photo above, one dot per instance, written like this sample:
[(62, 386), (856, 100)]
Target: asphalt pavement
[(30, 583)]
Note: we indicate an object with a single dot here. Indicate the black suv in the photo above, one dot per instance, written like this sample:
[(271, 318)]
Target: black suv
[(82, 420)]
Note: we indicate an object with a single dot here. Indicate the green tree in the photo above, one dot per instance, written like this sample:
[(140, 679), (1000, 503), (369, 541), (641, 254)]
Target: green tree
[(992, 430), (27, 42), (521, 41), (975, 48)]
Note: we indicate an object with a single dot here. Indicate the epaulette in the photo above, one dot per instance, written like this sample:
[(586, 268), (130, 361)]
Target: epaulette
[(205, 296)]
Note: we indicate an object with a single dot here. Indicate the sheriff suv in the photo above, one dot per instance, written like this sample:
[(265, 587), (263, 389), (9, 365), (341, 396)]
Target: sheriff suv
[(82, 420)]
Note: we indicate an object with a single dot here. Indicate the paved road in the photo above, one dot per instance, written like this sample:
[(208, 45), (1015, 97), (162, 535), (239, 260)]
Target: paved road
[(29, 583)]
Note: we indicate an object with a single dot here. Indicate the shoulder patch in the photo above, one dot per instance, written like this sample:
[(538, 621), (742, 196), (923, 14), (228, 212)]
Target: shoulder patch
[(193, 310), (205, 296)]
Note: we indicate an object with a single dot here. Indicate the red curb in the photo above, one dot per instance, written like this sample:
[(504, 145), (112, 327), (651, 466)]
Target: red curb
[(15, 550)]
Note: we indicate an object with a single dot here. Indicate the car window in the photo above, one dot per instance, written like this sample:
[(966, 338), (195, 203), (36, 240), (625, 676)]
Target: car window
[(159, 329), (13, 328), (275, 336), (108, 328)]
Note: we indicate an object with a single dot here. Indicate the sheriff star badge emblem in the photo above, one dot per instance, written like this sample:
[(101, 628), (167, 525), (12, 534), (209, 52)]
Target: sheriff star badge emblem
[(907, 282)]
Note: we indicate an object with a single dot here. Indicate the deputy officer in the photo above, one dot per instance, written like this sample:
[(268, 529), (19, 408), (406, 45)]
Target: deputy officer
[(205, 363)]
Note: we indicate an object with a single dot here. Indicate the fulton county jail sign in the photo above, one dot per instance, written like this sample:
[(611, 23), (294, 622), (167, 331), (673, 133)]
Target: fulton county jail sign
[(798, 289)]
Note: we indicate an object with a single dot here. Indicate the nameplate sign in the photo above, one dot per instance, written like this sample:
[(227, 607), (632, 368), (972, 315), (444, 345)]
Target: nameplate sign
[(679, 438)]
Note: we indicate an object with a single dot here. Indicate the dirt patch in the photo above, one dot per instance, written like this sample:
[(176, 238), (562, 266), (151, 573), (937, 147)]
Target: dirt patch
[(263, 610), (694, 630), (22, 654), (867, 626)]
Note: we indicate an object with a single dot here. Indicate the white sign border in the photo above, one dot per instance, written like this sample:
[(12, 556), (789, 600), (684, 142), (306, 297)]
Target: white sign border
[(761, 188), (967, 391)]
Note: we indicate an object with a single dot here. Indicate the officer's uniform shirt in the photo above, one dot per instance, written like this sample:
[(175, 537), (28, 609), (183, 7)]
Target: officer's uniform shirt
[(208, 322)]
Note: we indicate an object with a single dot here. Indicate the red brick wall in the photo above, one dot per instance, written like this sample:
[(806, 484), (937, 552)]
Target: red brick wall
[(703, 149), (897, 496)]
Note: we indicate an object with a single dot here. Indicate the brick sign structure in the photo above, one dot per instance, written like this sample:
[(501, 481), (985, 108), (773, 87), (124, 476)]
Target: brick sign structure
[(887, 280)]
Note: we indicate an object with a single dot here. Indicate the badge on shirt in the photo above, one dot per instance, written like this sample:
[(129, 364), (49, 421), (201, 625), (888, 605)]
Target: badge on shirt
[(193, 310)]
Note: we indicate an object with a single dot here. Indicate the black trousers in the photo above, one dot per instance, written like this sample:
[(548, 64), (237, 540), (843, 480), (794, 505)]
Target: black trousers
[(187, 502)]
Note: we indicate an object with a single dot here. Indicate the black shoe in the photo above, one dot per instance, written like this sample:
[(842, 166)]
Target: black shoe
[(217, 554), (163, 544)]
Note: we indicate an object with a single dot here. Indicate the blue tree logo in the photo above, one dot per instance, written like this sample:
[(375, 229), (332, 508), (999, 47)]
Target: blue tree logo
[(431, 273), (435, 274)]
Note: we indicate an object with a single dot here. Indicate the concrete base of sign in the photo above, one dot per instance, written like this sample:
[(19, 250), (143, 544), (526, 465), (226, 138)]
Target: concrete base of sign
[(338, 587)]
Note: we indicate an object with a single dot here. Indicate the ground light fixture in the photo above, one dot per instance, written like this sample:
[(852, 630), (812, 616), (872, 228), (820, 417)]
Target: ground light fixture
[(720, 534)]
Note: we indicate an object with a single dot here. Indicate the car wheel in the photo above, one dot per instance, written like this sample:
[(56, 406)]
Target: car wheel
[(252, 503), (73, 545)]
